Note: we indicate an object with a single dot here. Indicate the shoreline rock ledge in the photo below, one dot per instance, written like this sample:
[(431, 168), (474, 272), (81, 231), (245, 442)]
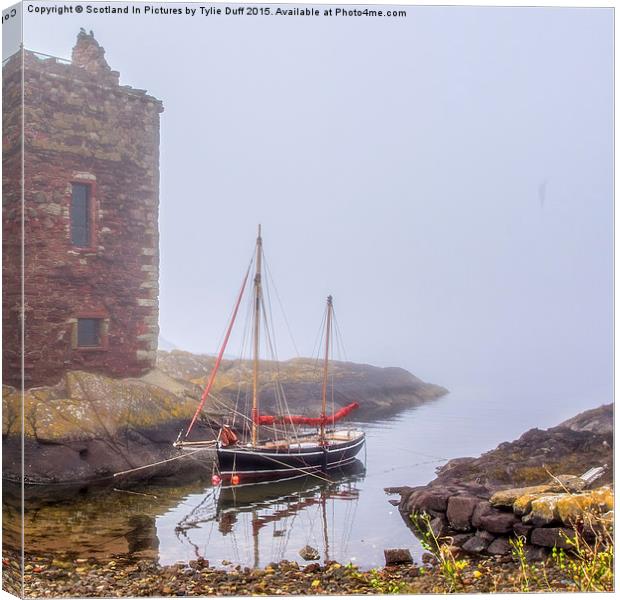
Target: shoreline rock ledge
[(541, 489), (88, 427)]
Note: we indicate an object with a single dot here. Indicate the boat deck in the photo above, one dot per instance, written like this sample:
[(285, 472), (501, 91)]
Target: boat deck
[(311, 441), (301, 442)]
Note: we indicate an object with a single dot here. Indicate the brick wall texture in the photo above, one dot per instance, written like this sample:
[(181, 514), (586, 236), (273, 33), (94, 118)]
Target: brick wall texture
[(80, 126)]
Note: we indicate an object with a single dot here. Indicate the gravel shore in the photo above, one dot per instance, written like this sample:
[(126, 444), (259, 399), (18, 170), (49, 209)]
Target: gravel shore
[(47, 577)]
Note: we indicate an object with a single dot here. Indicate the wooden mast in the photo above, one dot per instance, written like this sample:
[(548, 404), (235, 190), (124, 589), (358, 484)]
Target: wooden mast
[(257, 307), (328, 327)]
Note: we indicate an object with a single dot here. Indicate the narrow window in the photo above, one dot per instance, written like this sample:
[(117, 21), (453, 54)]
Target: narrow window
[(88, 333), (80, 215)]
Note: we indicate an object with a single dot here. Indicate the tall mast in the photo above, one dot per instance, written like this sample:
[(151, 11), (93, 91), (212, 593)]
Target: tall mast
[(328, 327), (257, 306)]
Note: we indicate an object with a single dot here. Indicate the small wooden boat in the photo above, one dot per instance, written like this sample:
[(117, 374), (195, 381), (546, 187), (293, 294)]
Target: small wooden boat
[(296, 454), (283, 459)]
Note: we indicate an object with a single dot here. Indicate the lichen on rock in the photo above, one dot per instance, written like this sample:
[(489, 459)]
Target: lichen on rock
[(90, 426), (571, 508), (85, 405)]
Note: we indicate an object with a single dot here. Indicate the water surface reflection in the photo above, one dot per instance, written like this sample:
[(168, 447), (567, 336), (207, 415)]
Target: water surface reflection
[(347, 518), (270, 522)]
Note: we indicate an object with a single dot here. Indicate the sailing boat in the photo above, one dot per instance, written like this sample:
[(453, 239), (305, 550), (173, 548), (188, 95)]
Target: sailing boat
[(294, 454)]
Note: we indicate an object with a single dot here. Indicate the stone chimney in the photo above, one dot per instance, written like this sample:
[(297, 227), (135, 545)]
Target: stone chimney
[(90, 56)]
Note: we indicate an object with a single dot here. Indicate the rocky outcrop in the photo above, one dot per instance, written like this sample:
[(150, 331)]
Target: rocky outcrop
[(380, 392), (552, 519), (88, 427), (523, 497), (572, 447), (474, 504), (599, 421)]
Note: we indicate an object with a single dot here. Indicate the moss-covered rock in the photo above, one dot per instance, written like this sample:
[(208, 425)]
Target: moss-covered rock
[(525, 495), (582, 445), (543, 510), (508, 498), (523, 504), (89, 426), (379, 391), (86, 405), (571, 508)]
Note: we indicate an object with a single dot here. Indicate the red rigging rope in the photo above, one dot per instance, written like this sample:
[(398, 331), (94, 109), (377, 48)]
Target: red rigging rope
[(216, 366), (300, 420)]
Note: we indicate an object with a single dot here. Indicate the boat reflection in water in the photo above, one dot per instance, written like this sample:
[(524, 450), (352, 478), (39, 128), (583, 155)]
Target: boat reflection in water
[(319, 506)]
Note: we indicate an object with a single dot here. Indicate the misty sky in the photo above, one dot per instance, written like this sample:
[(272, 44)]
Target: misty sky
[(447, 177)]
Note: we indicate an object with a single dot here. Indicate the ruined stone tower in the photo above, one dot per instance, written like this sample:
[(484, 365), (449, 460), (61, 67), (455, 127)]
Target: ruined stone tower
[(90, 218)]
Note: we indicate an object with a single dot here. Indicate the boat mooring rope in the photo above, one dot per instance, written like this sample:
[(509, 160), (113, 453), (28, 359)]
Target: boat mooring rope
[(155, 464), (134, 493), (295, 468)]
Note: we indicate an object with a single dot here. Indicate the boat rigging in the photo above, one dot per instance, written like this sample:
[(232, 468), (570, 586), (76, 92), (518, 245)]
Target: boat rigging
[(293, 454)]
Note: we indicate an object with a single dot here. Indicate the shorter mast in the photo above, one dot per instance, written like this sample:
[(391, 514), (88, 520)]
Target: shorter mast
[(328, 326), (257, 307)]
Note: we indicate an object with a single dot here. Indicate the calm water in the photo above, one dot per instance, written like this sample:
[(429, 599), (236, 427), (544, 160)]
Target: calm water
[(348, 519)]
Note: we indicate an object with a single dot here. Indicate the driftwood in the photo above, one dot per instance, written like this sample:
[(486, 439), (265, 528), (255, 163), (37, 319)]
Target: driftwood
[(591, 475)]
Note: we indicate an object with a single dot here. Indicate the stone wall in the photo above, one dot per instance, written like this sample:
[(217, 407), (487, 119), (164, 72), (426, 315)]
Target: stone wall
[(81, 126), (541, 517), (481, 504), (11, 216)]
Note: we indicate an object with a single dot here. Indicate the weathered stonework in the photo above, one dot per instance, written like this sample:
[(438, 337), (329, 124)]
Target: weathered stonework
[(80, 126)]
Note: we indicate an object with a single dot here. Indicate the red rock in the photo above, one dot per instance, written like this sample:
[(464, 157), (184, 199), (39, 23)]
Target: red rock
[(535, 553), (459, 539), (460, 510), (498, 522), (521, 529), (552, 536), (436, 500), (398, 556), (500, 546), (483, 508), (478, 543), (439, 526)]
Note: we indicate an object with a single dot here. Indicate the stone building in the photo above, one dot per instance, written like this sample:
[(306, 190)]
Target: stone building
[(90, 218)]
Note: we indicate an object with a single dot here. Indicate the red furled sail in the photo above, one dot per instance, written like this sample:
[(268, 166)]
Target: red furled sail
[(299, 420)]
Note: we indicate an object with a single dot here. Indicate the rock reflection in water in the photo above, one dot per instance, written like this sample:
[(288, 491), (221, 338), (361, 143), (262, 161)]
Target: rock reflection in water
[(98, 522), (142, 537), (247, 525)]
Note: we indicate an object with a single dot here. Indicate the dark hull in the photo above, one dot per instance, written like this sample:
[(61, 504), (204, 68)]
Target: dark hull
[(255, 465)]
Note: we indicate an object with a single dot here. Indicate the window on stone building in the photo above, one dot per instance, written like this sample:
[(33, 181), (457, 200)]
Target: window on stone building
[(81, 210), (89, 333)]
